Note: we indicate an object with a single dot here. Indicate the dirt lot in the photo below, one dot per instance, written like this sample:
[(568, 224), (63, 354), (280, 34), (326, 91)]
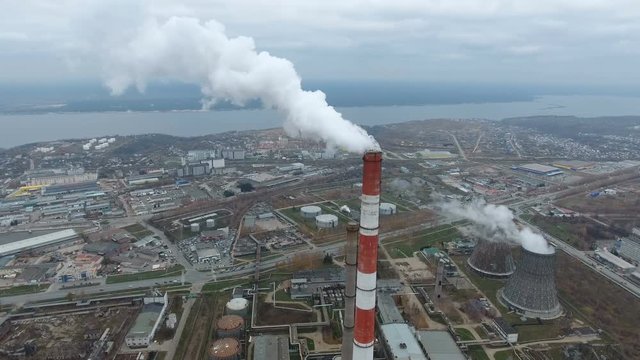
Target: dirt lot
[(601, 303), (580, 232), (68, 336), (624, 202)]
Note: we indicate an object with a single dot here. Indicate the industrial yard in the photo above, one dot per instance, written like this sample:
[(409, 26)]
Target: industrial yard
[(247, 249), (63, 336)]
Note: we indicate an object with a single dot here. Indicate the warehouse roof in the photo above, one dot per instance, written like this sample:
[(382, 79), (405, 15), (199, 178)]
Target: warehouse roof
[(539, 168), (401, 342), (34, 242), (440, 345), (146, 320), (616, 261), (272, 347)]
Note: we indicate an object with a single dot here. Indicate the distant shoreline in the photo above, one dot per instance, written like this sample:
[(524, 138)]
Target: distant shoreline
[(20, 129)]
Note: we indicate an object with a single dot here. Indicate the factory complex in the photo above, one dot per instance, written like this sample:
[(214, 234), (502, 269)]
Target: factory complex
[(257, 245)]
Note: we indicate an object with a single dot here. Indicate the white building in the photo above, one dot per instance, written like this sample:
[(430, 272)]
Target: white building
[(38, 241), (147, 322)]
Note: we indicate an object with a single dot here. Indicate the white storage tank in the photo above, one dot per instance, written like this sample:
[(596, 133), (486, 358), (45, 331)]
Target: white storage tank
[(211, 223), (388, 209), (195, 227), (237, 306), (310, 212), (326, 221)]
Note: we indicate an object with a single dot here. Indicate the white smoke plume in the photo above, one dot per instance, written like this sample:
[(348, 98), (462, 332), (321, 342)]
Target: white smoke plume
[(231, 69), (495, 222)]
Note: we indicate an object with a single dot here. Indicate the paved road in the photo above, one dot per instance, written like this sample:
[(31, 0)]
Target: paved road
[(196, 278)]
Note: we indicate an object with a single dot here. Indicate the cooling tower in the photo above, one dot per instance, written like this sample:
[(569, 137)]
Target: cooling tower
[(531, 290), (492, 259)]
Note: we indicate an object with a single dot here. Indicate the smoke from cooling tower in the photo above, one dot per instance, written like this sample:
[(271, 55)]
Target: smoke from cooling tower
[(231, 69), (495, 222)]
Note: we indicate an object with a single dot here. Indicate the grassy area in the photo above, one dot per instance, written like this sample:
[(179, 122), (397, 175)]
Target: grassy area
[(23, 289), (465, 334), (481, 332), (406, 246), (311, 345), (146, 275), (282, 295), (401, 205), (504, 355), (476, 352)]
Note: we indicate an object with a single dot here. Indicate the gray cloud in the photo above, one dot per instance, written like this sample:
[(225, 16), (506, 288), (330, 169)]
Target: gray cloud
[(463, 40)]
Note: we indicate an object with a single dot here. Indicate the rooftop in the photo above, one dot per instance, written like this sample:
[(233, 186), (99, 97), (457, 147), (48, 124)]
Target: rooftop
[(271, 347), (402, 342), (440, 345), (146, 320), (538, 168), (616, 261), (42, 240), (505, 326), (388, 309)]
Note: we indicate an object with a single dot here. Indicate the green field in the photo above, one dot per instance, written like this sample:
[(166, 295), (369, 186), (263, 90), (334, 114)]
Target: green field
[(175, 270), (476, 352), (465, 335), (504, 355), (23, 289), (406, 246)]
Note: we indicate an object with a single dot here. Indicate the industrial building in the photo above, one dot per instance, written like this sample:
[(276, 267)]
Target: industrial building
[(574, 165), (492, 259), (508, 332), (531, 290), (388, 209), (233, 154), (401, 343), (70, 188), (304, 284), (208, 254), (80, 267), (608, 258), (628, 249), (440, 345), (146, 324), (38, 241), (539, 169), (271, 347), (388, 312)]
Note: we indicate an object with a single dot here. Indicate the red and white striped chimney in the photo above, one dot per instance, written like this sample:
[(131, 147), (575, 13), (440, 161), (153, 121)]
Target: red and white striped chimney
[(364, 331)]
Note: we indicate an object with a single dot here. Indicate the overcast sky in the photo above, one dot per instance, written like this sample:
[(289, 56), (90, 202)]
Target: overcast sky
[(587, 42)]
